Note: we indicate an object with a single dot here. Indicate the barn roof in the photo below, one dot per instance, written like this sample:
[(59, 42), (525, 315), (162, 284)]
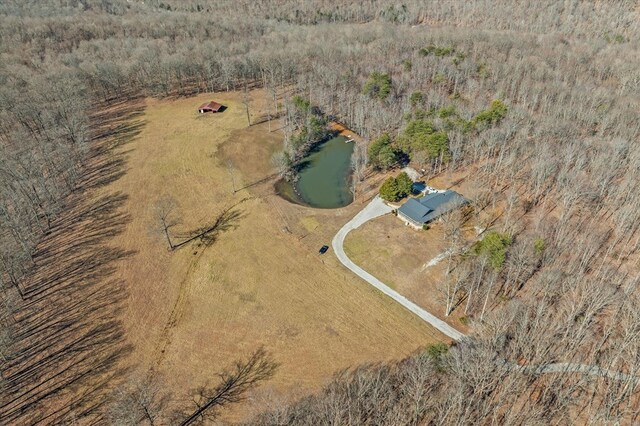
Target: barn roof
[(211, 105)]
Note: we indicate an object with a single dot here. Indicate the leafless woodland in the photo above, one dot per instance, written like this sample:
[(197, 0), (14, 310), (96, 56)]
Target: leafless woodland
[(558, 174)]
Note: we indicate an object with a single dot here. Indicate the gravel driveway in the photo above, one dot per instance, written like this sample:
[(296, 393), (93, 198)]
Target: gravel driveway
[(377, 208)]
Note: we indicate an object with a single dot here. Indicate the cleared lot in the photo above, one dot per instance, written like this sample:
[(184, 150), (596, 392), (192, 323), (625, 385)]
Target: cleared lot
[(410, 261), (195, 310)]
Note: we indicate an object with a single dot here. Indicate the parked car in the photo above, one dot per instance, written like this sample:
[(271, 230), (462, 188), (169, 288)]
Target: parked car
[(324, 249)]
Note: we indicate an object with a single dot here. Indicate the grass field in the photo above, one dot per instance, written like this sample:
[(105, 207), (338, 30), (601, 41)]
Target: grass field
[(400, 256), (195, 310)]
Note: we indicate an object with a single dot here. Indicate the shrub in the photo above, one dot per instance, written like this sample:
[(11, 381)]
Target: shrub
[(482, 70), (617, 38), (494, 246), (301, 104), (387, 157), (389, 190), (381, 153), (416, 99), (376, 145), (378, 85), (415, 131), (446, 112), (394, 189), (438, 51), (405, 184), (496, 112), (437, 145), (437, 352), (420, 135), (459, 58)]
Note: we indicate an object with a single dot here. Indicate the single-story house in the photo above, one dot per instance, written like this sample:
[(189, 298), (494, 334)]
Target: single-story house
[(418, 211), (212, 106)]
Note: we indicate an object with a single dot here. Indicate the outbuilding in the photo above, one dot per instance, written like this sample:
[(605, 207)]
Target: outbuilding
[(212, 106)]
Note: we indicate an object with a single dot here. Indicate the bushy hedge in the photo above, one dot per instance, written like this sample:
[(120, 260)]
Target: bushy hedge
[(396, 188)]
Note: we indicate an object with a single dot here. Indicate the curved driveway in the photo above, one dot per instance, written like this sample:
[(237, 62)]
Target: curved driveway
[(374, 209), (377, 208)]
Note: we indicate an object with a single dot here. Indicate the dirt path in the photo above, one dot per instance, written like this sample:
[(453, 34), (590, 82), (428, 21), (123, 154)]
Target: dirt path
[(436, 260), (178, 308), (198, 246)]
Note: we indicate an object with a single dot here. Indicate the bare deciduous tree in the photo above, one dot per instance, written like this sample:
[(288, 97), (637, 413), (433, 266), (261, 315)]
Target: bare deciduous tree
[(233, 386), (358, 166), (139, 401), (166, 211)]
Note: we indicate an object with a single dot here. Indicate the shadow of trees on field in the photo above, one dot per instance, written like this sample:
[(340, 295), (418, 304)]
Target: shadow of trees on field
[(265, 179), (208, 234), (67, 337)]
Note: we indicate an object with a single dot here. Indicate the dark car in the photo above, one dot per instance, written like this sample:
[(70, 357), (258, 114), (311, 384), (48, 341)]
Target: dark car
[(324, 249)]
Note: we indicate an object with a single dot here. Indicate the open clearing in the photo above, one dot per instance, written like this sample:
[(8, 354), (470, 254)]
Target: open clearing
[(194, 311), (398, 256)]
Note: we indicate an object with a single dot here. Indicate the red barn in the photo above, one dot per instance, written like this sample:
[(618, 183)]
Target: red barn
[(211, 107)]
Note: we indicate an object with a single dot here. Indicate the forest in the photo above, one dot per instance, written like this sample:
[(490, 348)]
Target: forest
[(539, 100)]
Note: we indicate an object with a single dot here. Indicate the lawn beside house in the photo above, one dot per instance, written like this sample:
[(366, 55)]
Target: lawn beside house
[(403, 258)]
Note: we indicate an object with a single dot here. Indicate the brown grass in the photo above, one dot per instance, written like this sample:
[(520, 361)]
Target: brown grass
[(397, 255), (191, 312)]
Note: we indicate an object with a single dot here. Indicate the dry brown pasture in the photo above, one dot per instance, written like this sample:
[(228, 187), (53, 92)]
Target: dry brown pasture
[(398, 255), (193, 311)]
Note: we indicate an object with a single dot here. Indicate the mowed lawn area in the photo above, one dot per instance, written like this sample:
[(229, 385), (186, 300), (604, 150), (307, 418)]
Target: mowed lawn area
[(195, 310), (405, 259)]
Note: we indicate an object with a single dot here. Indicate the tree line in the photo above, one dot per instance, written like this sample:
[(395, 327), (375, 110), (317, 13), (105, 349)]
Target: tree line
[(538, 101)]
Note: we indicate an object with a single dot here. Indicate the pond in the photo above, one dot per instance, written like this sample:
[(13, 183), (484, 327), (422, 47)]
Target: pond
[(323, 181)]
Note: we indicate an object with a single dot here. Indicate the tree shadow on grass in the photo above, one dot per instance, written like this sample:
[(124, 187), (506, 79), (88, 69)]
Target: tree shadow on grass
[(259, 181), (67, 337), (207, 235)]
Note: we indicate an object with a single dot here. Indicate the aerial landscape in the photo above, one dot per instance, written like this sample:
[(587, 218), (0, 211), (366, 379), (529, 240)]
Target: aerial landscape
[(323, 212)]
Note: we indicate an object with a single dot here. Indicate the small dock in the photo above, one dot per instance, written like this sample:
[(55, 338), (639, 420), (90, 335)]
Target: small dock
[(342, 130)]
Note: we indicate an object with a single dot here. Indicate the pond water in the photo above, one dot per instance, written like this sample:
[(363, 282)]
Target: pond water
[(323, 181)]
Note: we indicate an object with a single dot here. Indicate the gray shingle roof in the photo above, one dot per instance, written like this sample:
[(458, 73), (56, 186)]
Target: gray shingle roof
[(429, 207), (414, 210)]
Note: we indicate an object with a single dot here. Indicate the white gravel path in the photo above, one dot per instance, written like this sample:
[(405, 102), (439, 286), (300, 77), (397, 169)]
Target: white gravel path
[(437, 259)]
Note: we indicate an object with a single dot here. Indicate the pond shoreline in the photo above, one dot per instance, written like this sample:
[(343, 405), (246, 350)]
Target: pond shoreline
[(324, 177)]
